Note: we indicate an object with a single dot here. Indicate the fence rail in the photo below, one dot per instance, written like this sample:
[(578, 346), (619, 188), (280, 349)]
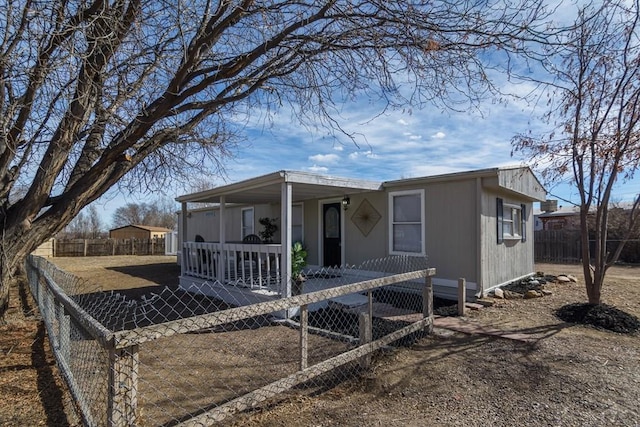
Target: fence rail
[(181, 358)]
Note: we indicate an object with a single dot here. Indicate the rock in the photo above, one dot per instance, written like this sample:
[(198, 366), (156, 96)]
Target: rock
[(532, 294), (534, 282), (573, 278), (546, 292), (563, 279), (511, 295), (542, 281), (498, 293)]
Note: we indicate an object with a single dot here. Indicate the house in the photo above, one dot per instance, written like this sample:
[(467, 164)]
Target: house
[(139, 232), (476, 225), (553, 217)]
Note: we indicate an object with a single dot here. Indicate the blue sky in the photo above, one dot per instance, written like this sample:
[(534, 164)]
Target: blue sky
[(397, 144), (400, 143)]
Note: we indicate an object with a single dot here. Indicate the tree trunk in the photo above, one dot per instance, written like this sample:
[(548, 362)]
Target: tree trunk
[(18, 242), (8, 263), (585, 253), (4, 299), (593, 276), (594, 292)]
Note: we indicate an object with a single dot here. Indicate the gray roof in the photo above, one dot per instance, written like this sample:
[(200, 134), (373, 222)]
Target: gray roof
[(268, 188), (309, 186)]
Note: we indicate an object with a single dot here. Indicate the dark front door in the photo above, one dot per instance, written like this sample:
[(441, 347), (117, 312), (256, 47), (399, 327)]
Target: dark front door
[(331, 235)]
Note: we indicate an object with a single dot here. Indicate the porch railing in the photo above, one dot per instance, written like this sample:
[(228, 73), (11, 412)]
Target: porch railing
[(257, 266)]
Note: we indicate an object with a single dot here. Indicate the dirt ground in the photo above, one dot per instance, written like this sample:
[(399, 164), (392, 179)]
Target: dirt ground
[(569, 376)]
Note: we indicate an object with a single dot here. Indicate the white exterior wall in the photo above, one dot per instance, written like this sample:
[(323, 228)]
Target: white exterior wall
[(311, 226), (451, 224), (358, 247), (460, 232), (206, 222), (511, 259)]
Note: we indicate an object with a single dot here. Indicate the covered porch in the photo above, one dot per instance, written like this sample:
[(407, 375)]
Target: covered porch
[(263, 268)]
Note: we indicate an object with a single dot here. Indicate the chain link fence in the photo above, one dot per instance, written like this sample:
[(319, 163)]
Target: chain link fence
[(179, 357)]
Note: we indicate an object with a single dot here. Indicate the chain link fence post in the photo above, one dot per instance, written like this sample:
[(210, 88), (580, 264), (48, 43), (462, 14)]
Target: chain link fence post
[(365, 329), (304, 336), (427, 302), (123, 386), (64, 332)]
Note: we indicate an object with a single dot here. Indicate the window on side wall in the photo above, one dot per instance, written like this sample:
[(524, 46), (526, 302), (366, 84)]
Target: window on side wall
[(406, 222), (247, 222), (511, 221)]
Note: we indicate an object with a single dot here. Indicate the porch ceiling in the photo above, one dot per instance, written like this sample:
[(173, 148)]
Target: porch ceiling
[(267, 189)]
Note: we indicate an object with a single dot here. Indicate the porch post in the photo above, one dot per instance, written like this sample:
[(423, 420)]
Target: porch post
[(285, 237), (182, 237), (184, 222), (223, 238)]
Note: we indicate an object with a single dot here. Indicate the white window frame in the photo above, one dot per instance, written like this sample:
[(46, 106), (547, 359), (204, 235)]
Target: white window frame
[(513, 223), (513, 220), (392, 223), (243, 226)]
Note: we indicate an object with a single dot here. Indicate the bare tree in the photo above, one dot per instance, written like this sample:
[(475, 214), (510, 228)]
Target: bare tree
[(95, 93), (94, 222), (160, 213), (595, 108), (77, 228), (86, 225), (129, 214)]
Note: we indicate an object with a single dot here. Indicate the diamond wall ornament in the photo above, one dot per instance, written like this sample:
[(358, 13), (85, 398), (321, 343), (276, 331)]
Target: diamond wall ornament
[(365, 217)]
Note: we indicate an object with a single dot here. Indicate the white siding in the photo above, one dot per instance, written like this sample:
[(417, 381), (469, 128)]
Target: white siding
[(503, 262)]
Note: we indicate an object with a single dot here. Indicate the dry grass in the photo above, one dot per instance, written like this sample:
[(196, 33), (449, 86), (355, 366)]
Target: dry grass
[(571, 376)]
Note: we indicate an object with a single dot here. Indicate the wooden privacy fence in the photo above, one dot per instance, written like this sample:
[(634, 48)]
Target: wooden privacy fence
[(564, 246), (107, 247), (557, 246), (121, 368)]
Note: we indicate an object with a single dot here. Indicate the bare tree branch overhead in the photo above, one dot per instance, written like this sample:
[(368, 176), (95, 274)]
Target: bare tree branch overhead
[(594, 110), (95, 93)]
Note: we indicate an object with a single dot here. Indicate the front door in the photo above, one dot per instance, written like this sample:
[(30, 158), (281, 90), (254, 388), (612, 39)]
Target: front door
[(331, 241)]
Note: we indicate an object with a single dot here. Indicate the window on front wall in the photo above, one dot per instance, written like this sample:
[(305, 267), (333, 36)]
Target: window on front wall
[(406, 222), (511, 221), (247, 222)]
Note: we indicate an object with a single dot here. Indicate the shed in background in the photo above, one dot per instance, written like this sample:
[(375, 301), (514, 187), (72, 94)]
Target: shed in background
[(140, 232)]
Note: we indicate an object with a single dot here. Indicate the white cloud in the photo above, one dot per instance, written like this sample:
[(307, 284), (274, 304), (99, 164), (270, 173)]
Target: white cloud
[(324, 158), (402, 122), (318, 169), (338, 147), (438, 135), (368, 154), (415, 137)]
